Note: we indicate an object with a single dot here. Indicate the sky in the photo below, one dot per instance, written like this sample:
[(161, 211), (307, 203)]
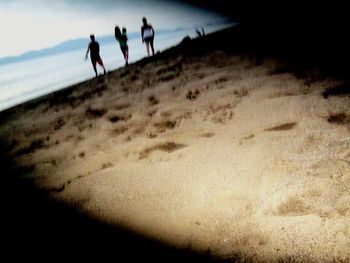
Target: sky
[(34, 24)]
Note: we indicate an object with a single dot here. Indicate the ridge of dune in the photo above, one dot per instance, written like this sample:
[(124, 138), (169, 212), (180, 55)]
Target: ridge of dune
[(217, 152)]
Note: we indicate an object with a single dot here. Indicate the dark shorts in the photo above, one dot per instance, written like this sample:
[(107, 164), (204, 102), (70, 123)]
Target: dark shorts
[(95, 59), (148, 39)]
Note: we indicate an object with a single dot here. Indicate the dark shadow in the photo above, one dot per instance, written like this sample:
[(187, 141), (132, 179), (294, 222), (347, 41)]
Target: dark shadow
[(303, 32)]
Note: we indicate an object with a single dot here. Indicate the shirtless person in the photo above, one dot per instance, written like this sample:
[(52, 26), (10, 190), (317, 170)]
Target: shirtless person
[(94, 49)]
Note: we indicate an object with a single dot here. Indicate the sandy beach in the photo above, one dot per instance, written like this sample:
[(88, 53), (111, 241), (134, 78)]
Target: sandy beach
[(217, 152)]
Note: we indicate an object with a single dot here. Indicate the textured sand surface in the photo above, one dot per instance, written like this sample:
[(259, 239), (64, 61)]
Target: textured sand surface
[(218, 153)]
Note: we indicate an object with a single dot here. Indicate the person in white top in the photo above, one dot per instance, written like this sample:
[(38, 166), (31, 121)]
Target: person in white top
[(147, 35)]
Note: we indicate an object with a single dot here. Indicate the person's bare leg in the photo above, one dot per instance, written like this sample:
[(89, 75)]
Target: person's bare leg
[(101, 64), (147, 48), (151, 43), (94, 66), (126, 57)]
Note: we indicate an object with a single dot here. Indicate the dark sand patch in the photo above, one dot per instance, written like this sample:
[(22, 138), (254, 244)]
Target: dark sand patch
[(58, 189), (114, 118), (293, 206), (282, 127), (151, 135), (240, 92), (164, 125), (82, 125), (339, 118), (151, 113), (106, 165), (343, 89), (78, 99), (217, 108), (139, 130), (175, 67), (222, 79), (91, 113), (62, 187), (119, 117), (168, 76), (152, 100), (118, 131), (165, 114), (167, 147), (192, 95), (69, 137), (34, 145), (248, 137), (207, 134), (58, 124)]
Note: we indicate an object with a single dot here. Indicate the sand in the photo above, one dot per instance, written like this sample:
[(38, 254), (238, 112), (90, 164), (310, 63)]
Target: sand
[(218, 153)]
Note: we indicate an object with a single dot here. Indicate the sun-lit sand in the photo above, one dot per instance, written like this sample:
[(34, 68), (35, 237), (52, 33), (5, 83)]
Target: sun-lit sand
[(219, 153)]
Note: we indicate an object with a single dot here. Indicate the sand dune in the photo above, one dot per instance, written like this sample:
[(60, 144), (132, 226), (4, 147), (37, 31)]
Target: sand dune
[(218, 153)]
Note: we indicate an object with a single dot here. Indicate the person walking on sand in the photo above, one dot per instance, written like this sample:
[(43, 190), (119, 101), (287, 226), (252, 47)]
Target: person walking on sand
[(122, 38), (94, 49), (147, 35)]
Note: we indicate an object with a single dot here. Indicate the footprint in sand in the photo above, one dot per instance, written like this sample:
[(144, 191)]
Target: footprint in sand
[(36, 144), (58, 124), (60, 188), (114, 118), (152, 100), (162, 126), (168, 147), (63, 186), (207, 135), (282, 127), (293, 206), (119, 131), (106, 165), (91, 113), (342, 118), (192, 95), (246, 138)]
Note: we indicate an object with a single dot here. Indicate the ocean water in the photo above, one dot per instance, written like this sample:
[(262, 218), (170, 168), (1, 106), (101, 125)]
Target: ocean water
[(26, 80)]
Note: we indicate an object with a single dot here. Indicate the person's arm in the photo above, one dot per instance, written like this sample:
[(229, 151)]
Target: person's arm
[(87, 52), (142, 34), (152, 30)]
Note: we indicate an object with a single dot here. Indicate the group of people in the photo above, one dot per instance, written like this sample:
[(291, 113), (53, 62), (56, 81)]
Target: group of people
[(147, 36)]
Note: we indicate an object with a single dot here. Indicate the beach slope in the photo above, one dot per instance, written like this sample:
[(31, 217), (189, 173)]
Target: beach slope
[(205, 147)]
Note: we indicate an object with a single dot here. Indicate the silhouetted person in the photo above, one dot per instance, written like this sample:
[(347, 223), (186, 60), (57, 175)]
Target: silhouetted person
[(203, 34), (198, 32), (147, 35), (122, 38), (94, 49)]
